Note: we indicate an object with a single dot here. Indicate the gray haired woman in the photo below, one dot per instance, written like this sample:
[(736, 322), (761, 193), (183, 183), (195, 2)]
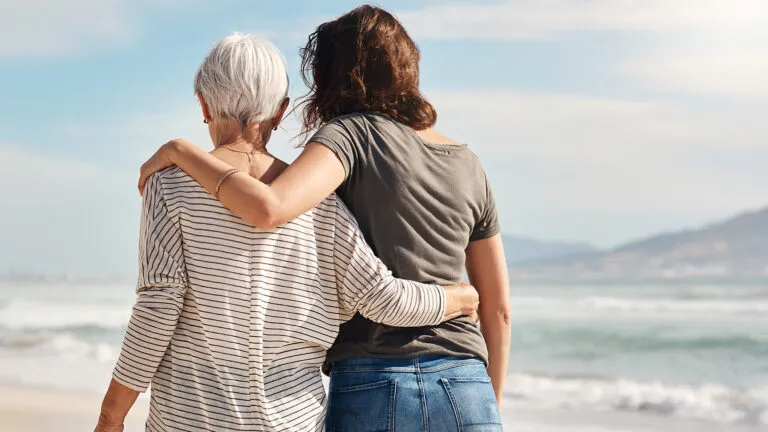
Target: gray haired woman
[(232, 323)]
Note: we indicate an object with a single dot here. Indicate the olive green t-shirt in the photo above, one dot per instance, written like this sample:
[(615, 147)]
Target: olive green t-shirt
[(418, 205)]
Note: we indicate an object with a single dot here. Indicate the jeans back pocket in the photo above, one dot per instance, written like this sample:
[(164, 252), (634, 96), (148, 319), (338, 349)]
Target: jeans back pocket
[(362, 408), (474, 404)]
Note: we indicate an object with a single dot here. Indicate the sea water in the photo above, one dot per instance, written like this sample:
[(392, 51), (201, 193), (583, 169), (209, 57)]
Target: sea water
[(690, 350), (685, 350)]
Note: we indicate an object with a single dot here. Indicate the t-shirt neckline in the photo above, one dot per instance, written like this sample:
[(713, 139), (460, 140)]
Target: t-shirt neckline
[(435, 146)]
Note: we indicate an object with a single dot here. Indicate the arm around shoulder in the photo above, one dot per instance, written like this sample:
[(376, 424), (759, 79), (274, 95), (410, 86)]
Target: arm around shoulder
[(365, 285), (313, 176)]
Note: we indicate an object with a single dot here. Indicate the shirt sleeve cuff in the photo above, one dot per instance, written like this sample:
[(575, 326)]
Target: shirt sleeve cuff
[(437, 295), (484, 233), (125, 380)]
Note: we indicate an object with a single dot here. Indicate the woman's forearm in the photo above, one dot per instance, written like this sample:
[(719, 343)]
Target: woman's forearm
[(247, 197), (314, 175), (496, 329), (403, 303), (487, 270), (115, 406)]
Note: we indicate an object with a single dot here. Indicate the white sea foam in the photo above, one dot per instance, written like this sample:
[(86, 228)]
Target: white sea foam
[(42, 315), (643, 305), (61, 361), (708, 402)]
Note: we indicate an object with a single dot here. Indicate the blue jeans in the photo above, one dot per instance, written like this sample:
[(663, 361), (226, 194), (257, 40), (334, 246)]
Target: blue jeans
[(430, 393)]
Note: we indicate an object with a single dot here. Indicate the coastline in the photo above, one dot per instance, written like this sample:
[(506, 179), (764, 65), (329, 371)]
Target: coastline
[(37, 410)]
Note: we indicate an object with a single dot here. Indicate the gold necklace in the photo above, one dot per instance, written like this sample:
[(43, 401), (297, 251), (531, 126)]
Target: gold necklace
[(249, 154)]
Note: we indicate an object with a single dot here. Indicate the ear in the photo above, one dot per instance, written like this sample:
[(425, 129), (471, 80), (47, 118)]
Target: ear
[(204, 106), (281, 112)]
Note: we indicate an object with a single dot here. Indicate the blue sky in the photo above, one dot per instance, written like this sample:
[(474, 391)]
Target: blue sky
[(597, 120)]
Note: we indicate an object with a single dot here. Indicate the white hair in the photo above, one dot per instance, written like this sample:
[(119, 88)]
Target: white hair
[(243, 78)]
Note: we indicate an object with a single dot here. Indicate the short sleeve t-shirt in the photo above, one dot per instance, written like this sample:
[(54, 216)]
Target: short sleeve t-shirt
[(418, 205)]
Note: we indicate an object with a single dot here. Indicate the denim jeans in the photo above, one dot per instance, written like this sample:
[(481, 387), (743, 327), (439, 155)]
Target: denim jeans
[(430, 393)]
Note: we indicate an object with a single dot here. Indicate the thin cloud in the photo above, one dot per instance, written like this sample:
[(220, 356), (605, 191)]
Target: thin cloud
[(607, 170), (38, 28), (734, 73), (44, 28), (709, 48), (594, 128), (526, 19)]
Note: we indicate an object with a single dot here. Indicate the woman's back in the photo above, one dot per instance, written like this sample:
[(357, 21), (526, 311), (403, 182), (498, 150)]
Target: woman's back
[(418, 205)]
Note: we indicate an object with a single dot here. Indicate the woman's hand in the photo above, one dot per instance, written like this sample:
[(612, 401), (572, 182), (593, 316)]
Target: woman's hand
[(462, 300), (163, 158)]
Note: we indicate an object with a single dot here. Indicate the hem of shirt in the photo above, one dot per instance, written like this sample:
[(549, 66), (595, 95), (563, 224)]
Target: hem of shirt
[(116, 376), (484, 234)]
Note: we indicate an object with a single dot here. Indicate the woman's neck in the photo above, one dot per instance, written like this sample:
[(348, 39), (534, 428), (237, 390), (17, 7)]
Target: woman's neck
[(246, 149), (230, 134)]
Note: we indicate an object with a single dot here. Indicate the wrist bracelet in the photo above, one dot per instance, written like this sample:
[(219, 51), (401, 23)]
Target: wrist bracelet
[(221, 180)]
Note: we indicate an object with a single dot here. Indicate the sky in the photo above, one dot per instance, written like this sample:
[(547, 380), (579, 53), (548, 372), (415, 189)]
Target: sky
[(596, 120)]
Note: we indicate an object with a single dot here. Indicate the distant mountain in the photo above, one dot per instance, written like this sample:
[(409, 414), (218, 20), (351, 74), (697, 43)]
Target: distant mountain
[(736, 248), (521, 250)]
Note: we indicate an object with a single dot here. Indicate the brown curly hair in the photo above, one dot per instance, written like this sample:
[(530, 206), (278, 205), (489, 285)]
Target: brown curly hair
[(364, 61)]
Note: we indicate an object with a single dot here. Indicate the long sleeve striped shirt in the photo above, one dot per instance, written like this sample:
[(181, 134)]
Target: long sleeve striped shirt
[(231, 323)]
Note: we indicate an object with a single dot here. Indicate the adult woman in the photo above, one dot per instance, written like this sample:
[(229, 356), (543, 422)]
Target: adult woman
[(232, 323), (424, 205)]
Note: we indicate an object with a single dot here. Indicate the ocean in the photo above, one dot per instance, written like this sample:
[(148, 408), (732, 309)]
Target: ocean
[(696, 351)]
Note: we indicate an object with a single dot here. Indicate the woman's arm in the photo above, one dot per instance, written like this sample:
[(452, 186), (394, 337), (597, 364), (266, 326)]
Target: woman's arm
[(308, 180), (365, 285), (115, 406), (487, 270), (161, 287)]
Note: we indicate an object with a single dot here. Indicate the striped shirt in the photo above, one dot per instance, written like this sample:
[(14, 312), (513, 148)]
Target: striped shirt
[(232, 323)]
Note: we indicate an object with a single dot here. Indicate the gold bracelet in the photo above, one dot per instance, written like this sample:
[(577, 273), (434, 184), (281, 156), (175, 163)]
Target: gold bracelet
[(221, 180)]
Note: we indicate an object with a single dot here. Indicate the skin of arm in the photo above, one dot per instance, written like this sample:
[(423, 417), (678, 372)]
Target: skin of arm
[(308, 180), (487, 271), (115, 406)]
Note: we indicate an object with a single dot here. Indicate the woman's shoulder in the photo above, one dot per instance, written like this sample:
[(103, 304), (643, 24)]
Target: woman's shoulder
[(172, 182)]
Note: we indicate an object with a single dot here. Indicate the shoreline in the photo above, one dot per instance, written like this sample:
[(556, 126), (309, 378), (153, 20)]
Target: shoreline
[(34, 409), (25, 409)]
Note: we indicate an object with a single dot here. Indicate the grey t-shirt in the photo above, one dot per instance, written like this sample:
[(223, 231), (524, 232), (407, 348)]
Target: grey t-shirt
[(418, 205)]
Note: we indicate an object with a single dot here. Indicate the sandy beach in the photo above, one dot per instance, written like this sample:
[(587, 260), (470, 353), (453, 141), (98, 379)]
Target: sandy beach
[(39, 410)]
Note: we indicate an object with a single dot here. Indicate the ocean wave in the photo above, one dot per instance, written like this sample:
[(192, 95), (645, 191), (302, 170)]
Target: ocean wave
[(61, 361), (707, 402), (682, 306), (56, 345), (26, 314), (643, 305), (592, 339)]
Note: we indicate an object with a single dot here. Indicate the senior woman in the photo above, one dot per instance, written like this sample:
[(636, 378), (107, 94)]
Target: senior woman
[(232, 322)]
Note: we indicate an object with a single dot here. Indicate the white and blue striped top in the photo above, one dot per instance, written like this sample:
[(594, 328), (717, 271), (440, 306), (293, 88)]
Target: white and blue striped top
[(231, 323)]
